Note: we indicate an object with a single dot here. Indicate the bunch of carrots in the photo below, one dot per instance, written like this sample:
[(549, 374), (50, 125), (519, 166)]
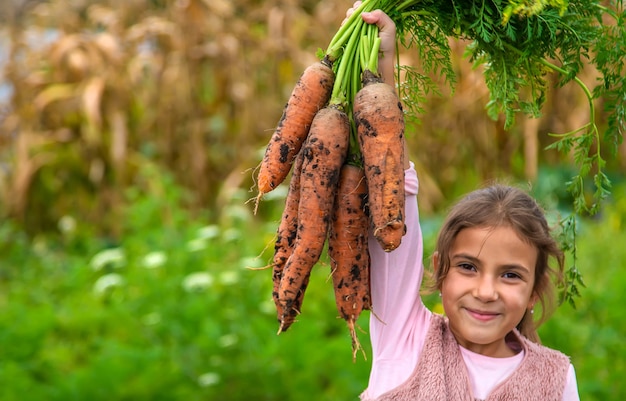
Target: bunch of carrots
[(341, 137), (341, 132), (348, 177)]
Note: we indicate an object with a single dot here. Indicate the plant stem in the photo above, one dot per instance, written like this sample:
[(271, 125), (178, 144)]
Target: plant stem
[(346, 31), (592, 111), (342, 77), (608, 11), (373, 61)]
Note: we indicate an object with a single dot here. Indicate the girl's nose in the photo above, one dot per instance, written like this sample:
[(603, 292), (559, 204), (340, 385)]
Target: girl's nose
[(485, 289)]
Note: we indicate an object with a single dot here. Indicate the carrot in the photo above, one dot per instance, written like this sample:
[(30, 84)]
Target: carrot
[(348, 249), (380, 124), (323, 155), (309, 95), (286, 234)]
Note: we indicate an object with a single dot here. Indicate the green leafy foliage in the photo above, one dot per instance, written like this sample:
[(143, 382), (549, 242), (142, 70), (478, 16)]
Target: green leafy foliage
[(528, 8), (609, 50), (573, 278), (518, 43), (173, 309), (178, 308), (591, 334), (434, 55)]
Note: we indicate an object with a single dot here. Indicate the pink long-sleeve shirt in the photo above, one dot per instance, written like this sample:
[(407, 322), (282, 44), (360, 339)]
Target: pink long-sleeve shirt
[(399, 320)]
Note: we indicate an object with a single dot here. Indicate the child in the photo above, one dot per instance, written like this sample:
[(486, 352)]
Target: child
[(491, 267)]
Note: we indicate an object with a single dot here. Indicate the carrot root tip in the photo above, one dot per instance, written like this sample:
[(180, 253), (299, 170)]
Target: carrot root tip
[(257, 199), (356, 344)]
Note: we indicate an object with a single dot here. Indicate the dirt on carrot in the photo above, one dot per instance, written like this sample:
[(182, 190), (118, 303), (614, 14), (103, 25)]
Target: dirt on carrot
[(348, 249), (310, 94), (380, 124), (287, 230), (324, 153)]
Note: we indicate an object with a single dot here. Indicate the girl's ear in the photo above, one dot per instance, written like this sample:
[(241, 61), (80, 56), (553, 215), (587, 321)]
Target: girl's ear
[(435, 261), (533, 300)]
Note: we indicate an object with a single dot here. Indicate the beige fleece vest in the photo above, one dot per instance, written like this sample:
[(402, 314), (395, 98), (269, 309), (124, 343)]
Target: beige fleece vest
[(441, 375)]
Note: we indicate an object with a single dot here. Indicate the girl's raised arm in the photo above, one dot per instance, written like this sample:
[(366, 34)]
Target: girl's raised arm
[(399, 320)]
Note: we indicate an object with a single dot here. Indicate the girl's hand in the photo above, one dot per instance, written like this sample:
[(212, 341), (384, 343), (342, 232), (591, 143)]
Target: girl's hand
[(387, 34)]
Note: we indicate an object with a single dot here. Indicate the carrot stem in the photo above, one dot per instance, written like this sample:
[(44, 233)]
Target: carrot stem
[(341, 80), (345, 32), (373, 62), (363, 53)]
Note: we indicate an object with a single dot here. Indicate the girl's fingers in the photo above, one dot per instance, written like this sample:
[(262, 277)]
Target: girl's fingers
[(382, 20), (387, 28)]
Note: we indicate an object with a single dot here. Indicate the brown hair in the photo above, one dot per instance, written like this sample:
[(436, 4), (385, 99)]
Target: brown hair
[(501, 205)]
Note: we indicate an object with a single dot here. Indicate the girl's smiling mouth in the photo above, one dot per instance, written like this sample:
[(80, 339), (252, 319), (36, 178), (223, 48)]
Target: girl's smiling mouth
[(483, 316)]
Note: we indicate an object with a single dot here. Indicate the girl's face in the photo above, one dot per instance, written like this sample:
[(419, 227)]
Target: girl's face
[(488, 288)]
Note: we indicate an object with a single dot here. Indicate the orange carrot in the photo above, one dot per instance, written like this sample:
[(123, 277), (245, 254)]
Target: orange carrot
[(324, 153), (348, 249), (286, 234), (380, 124), (310, 94)]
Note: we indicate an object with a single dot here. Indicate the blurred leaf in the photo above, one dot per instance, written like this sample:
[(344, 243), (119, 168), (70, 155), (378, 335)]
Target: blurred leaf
[(54, 93)]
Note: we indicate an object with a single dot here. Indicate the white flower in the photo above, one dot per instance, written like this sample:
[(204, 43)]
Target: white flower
[(227, 340), (197, 281), (229, 277), (67, 224), (113, 257), (106, 282), (196, 244), (208, 379), (154, 260), (208, 232)]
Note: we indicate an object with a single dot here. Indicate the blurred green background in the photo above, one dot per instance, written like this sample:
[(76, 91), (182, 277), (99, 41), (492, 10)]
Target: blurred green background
[(131, 262)]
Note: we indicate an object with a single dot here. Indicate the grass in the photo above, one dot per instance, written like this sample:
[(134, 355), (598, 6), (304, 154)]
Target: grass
[(173, 311)]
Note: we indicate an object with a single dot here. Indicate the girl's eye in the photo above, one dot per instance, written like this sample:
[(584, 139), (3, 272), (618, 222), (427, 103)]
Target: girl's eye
[(511, 275), (466, 266)]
